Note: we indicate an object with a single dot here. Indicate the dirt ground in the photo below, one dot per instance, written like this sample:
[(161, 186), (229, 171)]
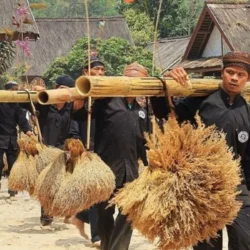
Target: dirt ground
[(20, 228)]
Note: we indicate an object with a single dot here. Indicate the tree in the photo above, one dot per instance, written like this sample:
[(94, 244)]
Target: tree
[(76, 8), (114, 52), (173, 17), (141, 27)]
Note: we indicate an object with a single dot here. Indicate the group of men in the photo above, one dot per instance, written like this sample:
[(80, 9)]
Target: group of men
[(119, 141)]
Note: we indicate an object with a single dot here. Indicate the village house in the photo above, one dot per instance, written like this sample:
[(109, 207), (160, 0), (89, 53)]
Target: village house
[(222, 27)]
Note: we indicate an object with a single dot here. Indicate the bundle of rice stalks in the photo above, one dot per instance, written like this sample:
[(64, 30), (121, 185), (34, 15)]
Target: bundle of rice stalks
[(91, 182), (46, 157), (24, 174), (62, 164), (18, 179), (49, 181), (188, 192)]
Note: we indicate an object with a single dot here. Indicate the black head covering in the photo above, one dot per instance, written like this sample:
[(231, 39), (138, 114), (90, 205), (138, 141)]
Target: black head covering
[(94, 61), (10, 85), (65, 80)]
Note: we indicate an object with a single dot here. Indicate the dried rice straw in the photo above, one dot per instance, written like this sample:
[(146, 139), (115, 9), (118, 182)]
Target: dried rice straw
[(188, 192), (46, 157), (49, 181), (18, 179), (86, 181), (24, 174), (91, 182)]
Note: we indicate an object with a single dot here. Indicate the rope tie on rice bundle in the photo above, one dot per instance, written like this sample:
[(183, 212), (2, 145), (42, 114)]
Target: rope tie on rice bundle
[(188, 191), (76, 180)]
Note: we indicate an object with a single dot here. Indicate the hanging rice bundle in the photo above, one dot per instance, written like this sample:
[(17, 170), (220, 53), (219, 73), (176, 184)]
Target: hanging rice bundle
[(49, 181), (24, 174), (45, 157), (91, 182), (18, 179), (188, 192)]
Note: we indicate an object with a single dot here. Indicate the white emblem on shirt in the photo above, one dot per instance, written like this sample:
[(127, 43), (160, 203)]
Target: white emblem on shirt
[(142, 114), (243, 136)]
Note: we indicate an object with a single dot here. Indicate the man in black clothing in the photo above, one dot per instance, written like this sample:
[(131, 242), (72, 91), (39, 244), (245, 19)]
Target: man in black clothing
[(56, 125), (11, 115), (228, 110), (97, 68), (119, 141)]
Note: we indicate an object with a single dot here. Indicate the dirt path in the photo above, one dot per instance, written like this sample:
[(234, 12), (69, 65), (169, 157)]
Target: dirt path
[(20, 228)]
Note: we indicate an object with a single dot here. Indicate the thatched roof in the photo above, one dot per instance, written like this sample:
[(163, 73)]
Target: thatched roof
[(233, 22), (202, 64), (169, 51), (57, 37), (7, 11)]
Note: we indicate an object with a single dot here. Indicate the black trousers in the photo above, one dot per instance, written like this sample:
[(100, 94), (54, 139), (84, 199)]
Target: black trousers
[(11, 156), (238, 234), (114, 235), (90, 216)]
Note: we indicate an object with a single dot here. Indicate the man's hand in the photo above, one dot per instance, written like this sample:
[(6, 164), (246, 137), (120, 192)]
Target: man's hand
[(38, 88), (78, 104), (29, 133), (178, 74)]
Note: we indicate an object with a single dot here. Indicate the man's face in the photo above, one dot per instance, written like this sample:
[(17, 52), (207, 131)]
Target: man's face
[(14, 88), (234, 79), (95, 71)]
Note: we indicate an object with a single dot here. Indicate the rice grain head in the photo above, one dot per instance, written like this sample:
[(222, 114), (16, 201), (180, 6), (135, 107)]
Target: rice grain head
[(189, 190)]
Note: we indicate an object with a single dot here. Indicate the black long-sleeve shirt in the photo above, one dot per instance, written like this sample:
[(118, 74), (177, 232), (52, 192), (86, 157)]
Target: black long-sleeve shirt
[(56, 125), (233, 119), (119, 139), (118, 136), (11, 115)]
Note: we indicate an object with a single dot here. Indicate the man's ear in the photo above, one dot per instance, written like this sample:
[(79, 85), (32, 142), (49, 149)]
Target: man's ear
[(84, 71)]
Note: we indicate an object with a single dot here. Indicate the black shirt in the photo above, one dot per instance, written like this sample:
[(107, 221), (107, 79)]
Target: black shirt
[(233, 119), (119, 139), (56, 125), (11, 115)]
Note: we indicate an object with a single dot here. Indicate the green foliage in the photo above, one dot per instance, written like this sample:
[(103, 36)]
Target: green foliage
[(76, 8), (114, 52), (177, 17), (141, 27)]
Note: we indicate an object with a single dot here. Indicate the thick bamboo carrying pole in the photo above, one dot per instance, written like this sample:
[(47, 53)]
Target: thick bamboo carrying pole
[(17, 96), (148, 86), (105, 86), (58, 96)]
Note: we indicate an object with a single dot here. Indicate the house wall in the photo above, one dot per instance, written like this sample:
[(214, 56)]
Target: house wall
[(213, 47)]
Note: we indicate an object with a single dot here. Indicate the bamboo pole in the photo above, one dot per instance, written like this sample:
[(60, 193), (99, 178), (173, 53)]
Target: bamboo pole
[(54, 96), (146, 86), (17, 96), (128, 86)]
